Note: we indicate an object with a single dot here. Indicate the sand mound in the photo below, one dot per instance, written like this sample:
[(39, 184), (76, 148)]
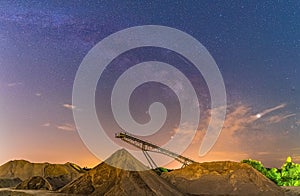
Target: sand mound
[(35, 183), (221, 178), (57, 174), (107, 180)]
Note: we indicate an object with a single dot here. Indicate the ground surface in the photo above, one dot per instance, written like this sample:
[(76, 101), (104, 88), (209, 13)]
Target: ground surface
[(13, 192), (292, 190), (289, 191)]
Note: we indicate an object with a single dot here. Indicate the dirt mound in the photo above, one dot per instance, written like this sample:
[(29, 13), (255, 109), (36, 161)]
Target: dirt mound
[(107, 180), (57, 174), (35, 183), (11, 182), (221, 178)]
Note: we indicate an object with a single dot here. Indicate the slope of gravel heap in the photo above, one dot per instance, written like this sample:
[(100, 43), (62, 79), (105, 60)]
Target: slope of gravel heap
[(107, 180), (221, 178)]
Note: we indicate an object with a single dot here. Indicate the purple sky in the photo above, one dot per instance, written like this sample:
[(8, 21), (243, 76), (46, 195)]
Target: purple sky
[(256, 45)]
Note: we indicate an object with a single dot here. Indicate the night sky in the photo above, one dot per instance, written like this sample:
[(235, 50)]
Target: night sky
[(256, 45)]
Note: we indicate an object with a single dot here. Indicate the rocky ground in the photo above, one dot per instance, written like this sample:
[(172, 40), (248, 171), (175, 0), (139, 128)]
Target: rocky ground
[(9, 182), (34, 183)]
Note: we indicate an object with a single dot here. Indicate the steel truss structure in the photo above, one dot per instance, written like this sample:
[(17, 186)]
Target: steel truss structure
[(149, 147)]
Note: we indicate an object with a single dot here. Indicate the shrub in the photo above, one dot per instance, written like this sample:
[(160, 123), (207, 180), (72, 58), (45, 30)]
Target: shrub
[(288, 175), (257, 165)]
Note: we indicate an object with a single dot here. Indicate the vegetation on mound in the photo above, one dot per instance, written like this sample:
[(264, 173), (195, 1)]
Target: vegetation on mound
[(287, 175), (160, 170)]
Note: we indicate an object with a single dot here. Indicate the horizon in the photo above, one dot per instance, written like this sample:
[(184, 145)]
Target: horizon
[(173, 165)]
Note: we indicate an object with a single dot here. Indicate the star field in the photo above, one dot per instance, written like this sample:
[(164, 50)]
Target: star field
[(256, 45)]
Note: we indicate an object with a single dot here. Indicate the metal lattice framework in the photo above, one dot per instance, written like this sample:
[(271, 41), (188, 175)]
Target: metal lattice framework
[(147, 146)]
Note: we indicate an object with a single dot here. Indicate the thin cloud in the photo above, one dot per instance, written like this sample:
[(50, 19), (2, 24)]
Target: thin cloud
[(69, 106), (240, 117), (267, 111), (223, 155), (279, 118), (14, 84), (263, 153), (241, 127), (67, 127), (38, 94), (46, 125)]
